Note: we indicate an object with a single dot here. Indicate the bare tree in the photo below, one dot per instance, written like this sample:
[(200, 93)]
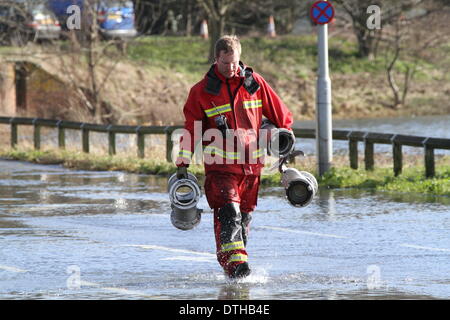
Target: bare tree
[(358, 15), (253, 15), (399, 95), (412, 39), (89, 63), (151, 13), (216, 11), (15, 20)]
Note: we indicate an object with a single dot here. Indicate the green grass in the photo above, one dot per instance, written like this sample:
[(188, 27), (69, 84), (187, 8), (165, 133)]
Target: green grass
[(188, 54), (411, 180), (382, 179), (296, 54), (179, 54)]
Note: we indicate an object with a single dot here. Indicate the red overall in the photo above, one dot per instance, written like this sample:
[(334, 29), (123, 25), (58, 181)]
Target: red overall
[(232, 162)]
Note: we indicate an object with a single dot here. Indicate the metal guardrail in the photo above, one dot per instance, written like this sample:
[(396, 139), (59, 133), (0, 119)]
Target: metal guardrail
[(353, 137), (85, 128)]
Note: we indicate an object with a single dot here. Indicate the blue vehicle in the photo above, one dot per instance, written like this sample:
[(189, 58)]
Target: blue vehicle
[(116, 19)]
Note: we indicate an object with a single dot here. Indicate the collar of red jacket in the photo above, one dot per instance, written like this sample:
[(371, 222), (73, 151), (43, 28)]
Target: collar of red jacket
[(214, 79), (237, 76)]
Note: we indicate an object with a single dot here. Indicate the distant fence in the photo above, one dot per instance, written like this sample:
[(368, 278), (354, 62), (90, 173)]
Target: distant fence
[(353, 137)]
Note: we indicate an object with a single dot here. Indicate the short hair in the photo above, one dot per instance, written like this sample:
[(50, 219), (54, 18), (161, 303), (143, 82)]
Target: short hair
[(227, 43)]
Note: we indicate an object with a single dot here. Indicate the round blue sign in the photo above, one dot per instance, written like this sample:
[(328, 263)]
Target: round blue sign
[(322, 12)]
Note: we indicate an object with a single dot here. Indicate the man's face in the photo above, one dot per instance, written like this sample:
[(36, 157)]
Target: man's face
[(228, 63)]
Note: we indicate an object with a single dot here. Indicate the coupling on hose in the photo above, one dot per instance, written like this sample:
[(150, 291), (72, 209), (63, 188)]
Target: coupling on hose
[(184, 196), (301, 186), (280, 142)]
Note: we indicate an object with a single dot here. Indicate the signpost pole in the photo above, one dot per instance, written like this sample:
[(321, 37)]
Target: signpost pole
[(324, 129)]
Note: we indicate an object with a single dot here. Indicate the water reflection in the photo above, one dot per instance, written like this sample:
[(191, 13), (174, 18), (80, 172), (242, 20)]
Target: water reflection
[(70, 192), (327, 203), (6, 223), (234, 291), (326, 288)]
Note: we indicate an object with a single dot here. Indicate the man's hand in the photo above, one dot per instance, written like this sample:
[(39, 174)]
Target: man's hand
[(182, 173)]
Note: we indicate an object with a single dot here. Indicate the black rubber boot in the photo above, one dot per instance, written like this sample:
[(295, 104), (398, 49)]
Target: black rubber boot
[(242, 270), (245, 221), (230, 223)]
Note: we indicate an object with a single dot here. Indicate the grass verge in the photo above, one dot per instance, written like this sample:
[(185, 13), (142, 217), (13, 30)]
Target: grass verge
[(412, 180), (382, 179)]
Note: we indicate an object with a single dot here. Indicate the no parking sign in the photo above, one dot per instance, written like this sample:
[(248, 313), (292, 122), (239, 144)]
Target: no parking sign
[(322, 12)]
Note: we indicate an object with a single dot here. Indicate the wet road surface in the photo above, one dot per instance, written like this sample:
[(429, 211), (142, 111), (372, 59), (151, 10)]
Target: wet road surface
[(107, 235)]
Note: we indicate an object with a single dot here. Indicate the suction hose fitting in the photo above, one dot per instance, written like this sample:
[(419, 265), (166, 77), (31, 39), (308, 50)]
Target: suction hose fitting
[(184, 196)]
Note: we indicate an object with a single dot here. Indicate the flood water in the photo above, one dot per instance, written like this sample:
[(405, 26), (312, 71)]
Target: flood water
[(107, 235)]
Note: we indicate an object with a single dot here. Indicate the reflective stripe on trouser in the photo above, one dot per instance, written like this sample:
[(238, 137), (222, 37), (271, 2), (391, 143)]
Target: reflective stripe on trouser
[(237, 257), (232, 246)]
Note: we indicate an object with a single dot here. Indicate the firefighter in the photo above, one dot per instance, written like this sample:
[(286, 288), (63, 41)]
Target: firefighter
[(228, 105)]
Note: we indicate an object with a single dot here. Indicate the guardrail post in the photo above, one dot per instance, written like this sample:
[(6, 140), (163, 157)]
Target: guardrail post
[(13, 133), (353, 153), (169, 144), (84, 138), (429, 162), (140, 137), (398, 158), (36, 135), (111, 141), (368, 154), (61, 135)]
